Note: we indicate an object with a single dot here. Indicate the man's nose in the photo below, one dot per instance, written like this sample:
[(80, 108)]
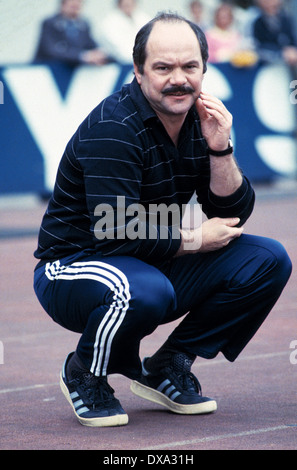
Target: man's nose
[(178, 77)]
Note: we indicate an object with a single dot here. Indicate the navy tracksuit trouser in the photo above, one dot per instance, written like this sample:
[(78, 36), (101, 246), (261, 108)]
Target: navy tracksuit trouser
[(223, 296)]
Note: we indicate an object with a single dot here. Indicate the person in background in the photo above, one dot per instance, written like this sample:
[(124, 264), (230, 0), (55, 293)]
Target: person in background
[(223, 38), (66, 37), (119, 28), (274, 34), (197, 14)]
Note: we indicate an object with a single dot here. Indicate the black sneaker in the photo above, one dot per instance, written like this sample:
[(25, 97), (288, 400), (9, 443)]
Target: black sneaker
[(175, 387), (92, 399)]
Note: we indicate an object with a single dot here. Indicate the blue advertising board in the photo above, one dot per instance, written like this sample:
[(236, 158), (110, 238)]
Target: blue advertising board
[(42, 105)]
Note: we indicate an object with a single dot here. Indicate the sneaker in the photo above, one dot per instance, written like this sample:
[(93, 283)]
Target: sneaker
[(92, 398), (175, 387)]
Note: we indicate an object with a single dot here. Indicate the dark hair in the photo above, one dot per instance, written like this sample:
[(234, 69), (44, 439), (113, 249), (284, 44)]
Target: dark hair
[(139, 50)]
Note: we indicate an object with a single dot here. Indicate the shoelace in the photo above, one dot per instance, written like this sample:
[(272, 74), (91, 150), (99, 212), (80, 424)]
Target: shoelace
[(189, 382), (96, 389), (181, 367)]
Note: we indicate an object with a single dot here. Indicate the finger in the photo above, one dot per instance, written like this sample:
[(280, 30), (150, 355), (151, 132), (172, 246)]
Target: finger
[(213, 103), (218, 112), (232, 221), (202, 111), (212, 99), (236, 233)]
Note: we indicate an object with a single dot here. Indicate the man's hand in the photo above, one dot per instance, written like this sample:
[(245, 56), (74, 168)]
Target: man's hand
[(216, 121), (94, 57), (216, 124), (290, 55), (218, 233), (213, 235)]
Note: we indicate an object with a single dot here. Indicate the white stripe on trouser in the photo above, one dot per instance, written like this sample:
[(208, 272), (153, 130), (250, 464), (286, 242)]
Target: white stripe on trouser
[(117, 282)]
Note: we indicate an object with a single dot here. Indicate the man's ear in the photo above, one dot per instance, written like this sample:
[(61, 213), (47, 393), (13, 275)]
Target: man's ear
[(138, 75)]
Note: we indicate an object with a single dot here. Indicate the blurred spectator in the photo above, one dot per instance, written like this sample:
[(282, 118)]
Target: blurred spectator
[(66, 37), (248, 20), (119, 28), (223, 38), (197, 14), (274, 33)]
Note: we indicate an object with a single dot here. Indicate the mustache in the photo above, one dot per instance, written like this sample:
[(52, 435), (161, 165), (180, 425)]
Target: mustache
[(178, 89)]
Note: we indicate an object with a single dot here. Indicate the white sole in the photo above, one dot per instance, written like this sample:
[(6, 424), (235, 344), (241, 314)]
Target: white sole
[(117, 420), (157, 397)]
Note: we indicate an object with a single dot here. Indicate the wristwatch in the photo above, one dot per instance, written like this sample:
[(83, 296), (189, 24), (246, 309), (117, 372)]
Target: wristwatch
[(221, 153)]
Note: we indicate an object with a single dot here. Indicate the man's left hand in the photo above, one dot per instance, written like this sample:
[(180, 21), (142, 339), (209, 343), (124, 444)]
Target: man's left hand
[(216, 121)]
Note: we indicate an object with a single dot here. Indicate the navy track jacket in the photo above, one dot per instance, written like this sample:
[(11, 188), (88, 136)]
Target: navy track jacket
[(122, 153)]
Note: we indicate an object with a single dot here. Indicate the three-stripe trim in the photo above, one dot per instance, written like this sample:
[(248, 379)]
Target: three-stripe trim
[(168, 389), (78, 404), (117, 282)]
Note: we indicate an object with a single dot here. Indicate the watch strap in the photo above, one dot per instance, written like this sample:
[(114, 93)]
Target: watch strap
[(220, 153)]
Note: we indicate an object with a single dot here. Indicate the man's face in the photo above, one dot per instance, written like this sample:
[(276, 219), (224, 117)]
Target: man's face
[(127, 6), (72, 8), (270, 7), (173, 70)]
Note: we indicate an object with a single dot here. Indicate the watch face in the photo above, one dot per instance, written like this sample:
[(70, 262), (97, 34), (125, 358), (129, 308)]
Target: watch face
[(230, 143)]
